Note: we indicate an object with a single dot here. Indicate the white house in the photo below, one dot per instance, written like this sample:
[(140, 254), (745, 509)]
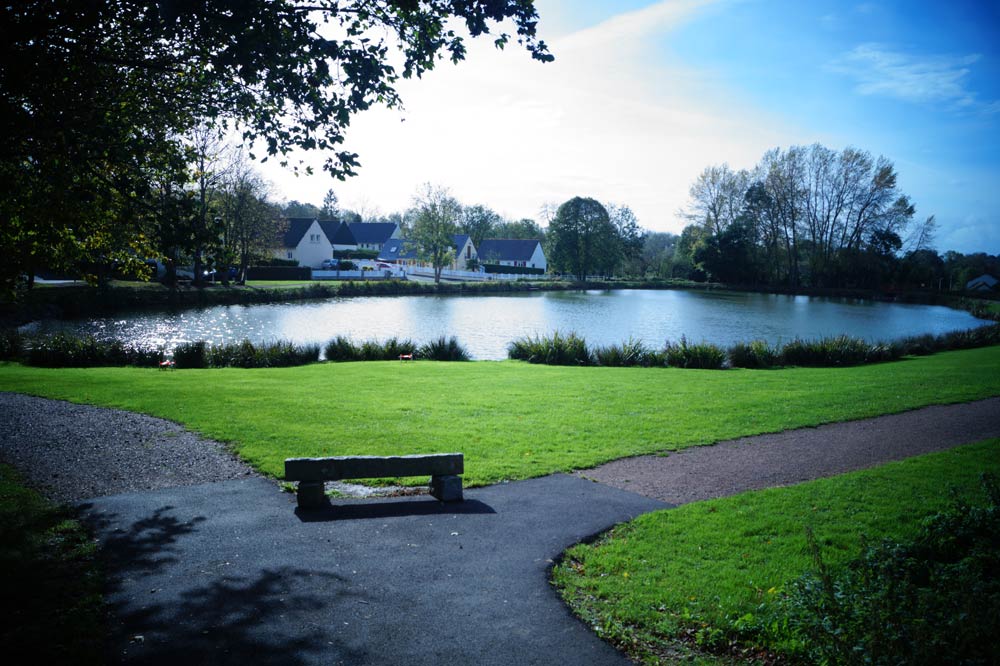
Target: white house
[(513, 252), (464, 252), (310, 242)]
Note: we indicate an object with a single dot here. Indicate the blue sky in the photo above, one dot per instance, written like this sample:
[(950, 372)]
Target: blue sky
[(644, 95)]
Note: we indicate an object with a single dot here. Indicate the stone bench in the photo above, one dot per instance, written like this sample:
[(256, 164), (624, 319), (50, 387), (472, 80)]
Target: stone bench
[(443, 469)]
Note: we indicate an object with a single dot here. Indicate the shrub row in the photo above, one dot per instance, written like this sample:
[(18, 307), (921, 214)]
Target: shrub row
[(245, 354), (63, 350), (571, 349), (442, 349)]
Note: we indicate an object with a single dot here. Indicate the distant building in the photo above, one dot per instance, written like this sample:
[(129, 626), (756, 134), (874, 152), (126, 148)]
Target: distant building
[(465, 252), (310, 241), (984, 282), (399, 251), (526, 253), (373, 235)]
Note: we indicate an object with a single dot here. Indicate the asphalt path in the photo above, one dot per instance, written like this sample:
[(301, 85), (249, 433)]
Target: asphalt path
[(231, 573)]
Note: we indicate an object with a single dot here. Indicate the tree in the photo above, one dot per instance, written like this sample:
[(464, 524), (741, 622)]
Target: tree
[(252, 224), (631, 237), (582, 238), (523, 228), (298, 209), (329, 210), (479, 222), (434, 227), (102, 90)]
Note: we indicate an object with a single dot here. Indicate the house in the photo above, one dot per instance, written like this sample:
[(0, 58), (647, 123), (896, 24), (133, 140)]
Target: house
[(404, 252), (399, 251), (513, 252), (984, 282), (310, 241), (340, 235), (373, 235), (464, 252)]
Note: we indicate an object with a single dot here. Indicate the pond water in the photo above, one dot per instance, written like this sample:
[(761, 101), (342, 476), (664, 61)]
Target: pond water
[(486, 324)]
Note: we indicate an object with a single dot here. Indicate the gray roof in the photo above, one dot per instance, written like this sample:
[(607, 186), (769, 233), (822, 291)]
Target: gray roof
[(983, 282), (337, 232), (460, 241), (507, 249), (398, 248), (297, 228), (373, 232)]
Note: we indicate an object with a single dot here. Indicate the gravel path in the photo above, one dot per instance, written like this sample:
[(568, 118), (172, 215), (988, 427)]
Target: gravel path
[(765, 461), (74, 452)]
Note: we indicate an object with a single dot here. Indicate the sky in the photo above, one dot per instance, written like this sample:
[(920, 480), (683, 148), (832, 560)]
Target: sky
[(642, 96)]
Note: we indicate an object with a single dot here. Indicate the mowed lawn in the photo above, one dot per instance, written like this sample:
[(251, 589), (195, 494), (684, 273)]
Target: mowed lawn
[(713, 571), (512, 420)]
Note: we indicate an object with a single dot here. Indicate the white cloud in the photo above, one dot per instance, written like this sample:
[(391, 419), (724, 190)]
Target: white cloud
[(927, 79), (607, 119)]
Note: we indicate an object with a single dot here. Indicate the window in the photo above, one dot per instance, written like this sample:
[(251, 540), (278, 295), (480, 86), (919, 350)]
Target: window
[(468, 251), (289, 253)]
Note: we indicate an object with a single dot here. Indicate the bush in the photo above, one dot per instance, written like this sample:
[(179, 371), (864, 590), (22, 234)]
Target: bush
[(933, 600), (11, 344), (837, 351), (629, 353), (278, 354), (444, 349), (754, 354), (341, 349), (557, 350), (703, 355), (191, 355), (63, 350)]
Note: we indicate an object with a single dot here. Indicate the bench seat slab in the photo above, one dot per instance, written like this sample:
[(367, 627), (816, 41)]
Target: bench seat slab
[(371, 467)]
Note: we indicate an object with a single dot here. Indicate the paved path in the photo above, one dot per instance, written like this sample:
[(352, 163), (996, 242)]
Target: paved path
[(228, 573), (793, 456)]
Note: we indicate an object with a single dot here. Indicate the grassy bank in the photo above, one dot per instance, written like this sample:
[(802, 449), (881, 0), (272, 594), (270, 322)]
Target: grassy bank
[(512, 420), (713, 572), (50, 580)]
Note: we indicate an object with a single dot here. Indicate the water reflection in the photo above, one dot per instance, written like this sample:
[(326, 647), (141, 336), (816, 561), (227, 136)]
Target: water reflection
[(486, 324)]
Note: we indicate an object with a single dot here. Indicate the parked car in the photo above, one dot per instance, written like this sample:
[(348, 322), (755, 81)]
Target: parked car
[(330, 264)]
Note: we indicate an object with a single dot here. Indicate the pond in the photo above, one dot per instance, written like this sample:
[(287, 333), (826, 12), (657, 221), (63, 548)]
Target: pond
[(486, 324)]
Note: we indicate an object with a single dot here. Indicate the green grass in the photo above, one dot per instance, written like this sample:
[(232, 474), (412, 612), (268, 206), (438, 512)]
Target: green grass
[(278, 283), (713, 571), (512, 420), (51, 584)]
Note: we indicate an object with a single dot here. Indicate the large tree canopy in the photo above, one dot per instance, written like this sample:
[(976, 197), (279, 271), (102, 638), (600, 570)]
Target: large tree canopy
[(94, 96)]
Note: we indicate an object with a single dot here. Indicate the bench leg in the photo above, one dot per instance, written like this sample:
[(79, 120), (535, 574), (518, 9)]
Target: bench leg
[(311, 495), (447, 487)]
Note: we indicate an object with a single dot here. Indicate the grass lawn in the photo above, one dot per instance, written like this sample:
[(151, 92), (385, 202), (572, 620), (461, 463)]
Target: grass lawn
[(512, 420), (51, 583), (711, 571)]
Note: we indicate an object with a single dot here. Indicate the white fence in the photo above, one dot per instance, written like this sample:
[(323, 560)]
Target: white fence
[(472, 276)]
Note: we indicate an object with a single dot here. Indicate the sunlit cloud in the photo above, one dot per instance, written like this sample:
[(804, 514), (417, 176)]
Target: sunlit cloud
[(926, 79), (608, 119)]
